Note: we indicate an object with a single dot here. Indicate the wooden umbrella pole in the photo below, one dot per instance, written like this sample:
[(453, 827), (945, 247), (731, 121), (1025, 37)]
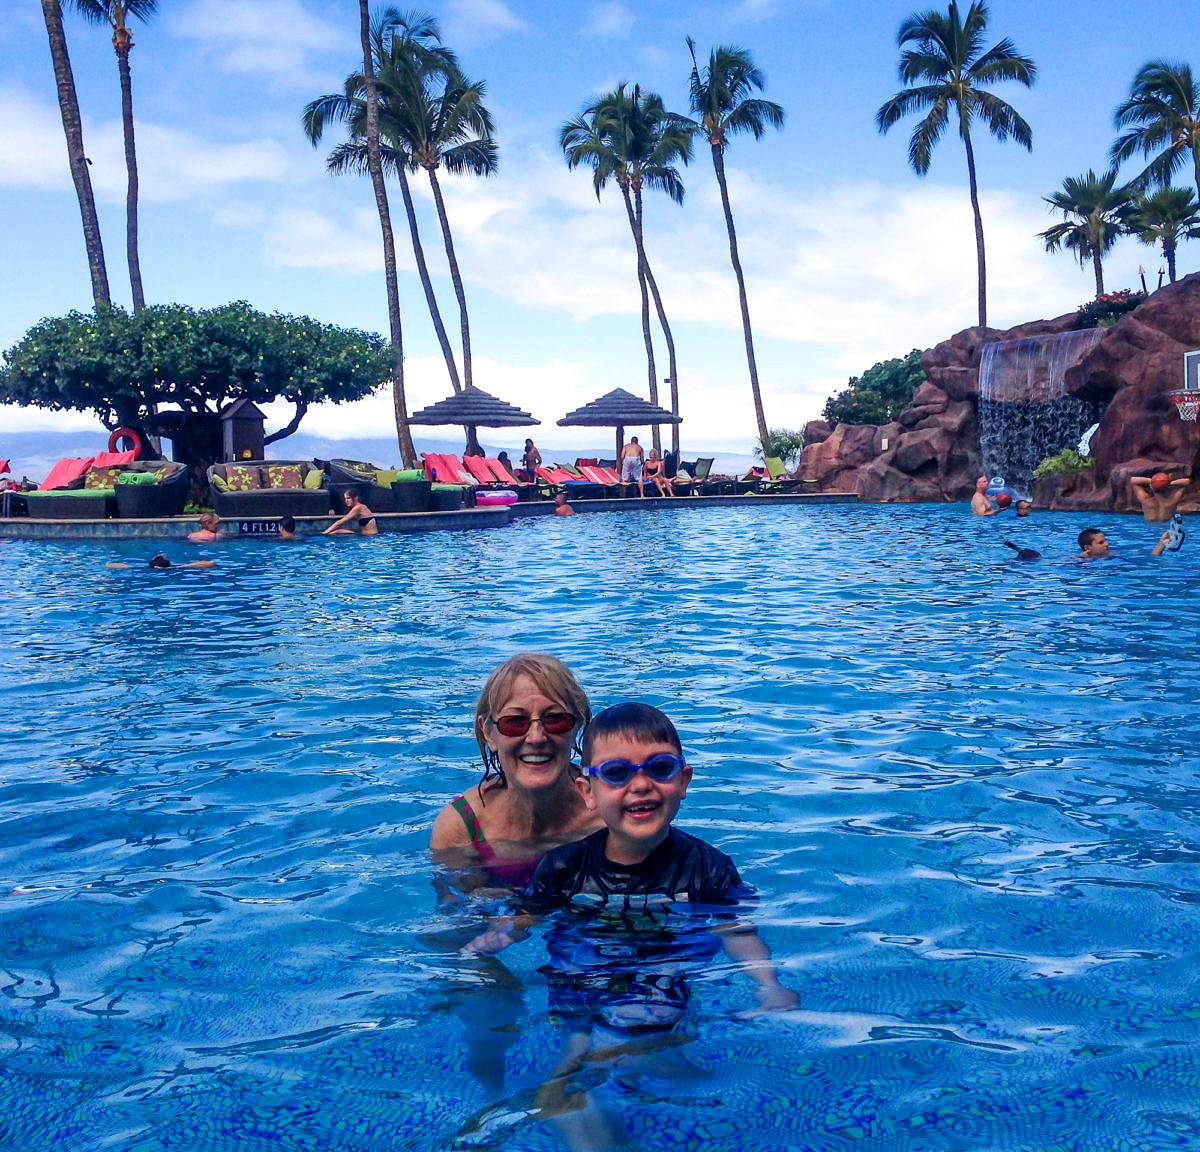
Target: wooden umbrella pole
[(620, 445)]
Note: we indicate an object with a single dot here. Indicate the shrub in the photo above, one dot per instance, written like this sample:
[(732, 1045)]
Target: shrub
[(784, 443), (1066, 462), (879, 395), (1107, 309)]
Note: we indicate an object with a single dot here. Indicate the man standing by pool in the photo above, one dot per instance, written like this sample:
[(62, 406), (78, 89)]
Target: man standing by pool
[(631, 464), (981, 503)]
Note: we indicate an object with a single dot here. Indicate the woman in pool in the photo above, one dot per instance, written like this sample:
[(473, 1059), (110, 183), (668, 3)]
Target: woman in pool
[(526, 721), (209, 530), (358, 518)]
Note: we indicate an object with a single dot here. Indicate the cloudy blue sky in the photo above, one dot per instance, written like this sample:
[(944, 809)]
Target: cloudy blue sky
[(849, 257)]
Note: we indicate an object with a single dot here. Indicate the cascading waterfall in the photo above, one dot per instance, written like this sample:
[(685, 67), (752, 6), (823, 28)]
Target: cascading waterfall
[(1025, 414)]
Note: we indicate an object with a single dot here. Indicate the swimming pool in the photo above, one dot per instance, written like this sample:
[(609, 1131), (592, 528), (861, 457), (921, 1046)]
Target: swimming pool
[(966, 788)]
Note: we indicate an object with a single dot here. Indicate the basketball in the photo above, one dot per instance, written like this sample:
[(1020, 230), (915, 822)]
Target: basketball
[(1003, 500), (1160, 481)]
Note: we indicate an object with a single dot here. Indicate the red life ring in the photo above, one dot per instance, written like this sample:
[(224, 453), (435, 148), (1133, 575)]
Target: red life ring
[(125, 434)]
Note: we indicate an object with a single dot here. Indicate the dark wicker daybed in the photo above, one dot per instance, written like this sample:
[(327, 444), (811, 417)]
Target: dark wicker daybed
[(105, 492), (263, 488)]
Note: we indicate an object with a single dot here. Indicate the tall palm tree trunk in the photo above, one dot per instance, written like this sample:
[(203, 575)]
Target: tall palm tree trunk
[(666, 329), (1098, 268), (68, 106), (122, 43), (719, 165), (979, 256), (435, 312), (455, 277), (1169, 256), (647, 336), (375, 165)]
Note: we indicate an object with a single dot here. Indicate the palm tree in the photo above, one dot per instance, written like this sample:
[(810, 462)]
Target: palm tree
[(1094, 209), (723, 106), (950, 58), (116, 13), (1165, 217), (399, 402), (630, 137), (1162, 113), (68, 106), (418, 35), (441, 120)]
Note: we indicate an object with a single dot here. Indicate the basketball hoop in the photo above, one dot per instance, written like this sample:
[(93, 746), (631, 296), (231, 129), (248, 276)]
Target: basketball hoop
[(1188, 403)]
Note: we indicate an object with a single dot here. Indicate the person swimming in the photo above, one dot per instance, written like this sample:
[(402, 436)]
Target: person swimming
[(158, 560)]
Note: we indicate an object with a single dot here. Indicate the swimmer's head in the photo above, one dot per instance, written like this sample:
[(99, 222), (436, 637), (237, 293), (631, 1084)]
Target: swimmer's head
[(209, 521), (287, 523), (1160, 481), (637, 722), (159, 561), (1024, 507), (981, 484), (1094, 543)]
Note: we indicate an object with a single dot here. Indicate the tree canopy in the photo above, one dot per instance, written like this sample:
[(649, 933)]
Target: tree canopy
[(119, 365), (880, 394)]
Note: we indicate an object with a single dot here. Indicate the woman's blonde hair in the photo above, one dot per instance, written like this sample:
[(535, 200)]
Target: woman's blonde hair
[(552, 678), (209, 521)]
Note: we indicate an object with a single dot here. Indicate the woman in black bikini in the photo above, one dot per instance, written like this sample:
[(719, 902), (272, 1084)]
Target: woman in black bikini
[(359, 518)]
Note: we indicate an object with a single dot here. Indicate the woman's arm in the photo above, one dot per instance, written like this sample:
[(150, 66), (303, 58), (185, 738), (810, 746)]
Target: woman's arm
[(351, 515)]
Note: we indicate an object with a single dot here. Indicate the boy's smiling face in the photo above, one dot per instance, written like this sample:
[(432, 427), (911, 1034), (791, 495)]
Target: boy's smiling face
[(639, 813)]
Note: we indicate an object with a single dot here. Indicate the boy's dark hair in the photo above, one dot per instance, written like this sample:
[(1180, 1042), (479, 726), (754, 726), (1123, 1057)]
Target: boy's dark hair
[(159, 561), (287, 523), (639, 721), (1088, 535)]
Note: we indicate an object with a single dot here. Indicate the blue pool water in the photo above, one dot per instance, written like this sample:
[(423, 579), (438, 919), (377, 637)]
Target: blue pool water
[(965, 787)]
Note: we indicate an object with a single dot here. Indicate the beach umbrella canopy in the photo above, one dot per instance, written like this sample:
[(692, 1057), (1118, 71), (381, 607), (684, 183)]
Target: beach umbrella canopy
[(619, 409), (474, 406)]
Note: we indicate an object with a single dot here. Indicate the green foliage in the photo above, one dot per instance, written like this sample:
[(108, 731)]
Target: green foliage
[(118, 365), (1066, 462), (879, 395), (785, 444), (1108, 308)]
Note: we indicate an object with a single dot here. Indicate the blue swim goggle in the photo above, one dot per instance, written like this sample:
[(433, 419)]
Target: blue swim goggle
[(618, 773)]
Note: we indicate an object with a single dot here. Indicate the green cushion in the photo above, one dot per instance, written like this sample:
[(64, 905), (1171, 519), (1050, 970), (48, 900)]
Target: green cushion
[(385, 476), (314, 478), (410, 474), (137, 478), (447, 487), (86, 493), (220, 483)]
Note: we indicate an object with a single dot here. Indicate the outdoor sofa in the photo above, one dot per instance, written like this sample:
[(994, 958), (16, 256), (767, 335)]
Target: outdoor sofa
[(142, 489), (266, 488), (384, 489)]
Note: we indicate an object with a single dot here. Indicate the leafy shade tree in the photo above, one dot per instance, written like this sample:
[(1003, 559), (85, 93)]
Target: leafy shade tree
[(1161, 115), (723, 106), (784, 444), (1165, 217), (68, 106), (120, 366), (115, 14), (628, 136), (947, 73), (1094, 211), (879, 395), (392, 42)]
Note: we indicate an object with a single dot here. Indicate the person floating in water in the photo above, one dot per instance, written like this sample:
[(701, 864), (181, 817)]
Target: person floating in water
[(1094, 544), (561, 507), (640, 905), (160, 561), (1158, 495)]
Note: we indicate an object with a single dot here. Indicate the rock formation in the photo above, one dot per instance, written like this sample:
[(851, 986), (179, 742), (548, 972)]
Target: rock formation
[(931, 451)]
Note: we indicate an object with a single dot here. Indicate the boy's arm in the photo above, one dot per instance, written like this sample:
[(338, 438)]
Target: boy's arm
[(743, 945), (501, 932)]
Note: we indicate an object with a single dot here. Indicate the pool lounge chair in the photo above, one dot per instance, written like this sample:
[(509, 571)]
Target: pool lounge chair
[(607, 480), (450, 469), (523, 488)]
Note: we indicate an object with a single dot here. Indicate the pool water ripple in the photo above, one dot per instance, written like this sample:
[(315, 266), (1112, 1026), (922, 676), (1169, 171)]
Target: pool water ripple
[(965, 787)]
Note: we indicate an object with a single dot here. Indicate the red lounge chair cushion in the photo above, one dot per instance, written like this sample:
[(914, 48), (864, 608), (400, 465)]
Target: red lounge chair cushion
[(64, 472)]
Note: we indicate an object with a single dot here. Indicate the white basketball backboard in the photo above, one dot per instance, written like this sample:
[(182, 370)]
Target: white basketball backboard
[(1191, 371)]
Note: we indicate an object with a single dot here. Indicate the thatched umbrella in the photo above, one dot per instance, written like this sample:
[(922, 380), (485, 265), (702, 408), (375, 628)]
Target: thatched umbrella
[(619, 409), (474, 406)]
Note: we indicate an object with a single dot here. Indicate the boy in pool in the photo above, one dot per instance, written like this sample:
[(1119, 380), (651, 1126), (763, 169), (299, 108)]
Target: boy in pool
[(642, 904)]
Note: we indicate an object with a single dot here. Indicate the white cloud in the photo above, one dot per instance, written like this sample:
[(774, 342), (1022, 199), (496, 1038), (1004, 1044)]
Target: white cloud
[(611, 18), (173, 165), (275, 37), (475, 19)]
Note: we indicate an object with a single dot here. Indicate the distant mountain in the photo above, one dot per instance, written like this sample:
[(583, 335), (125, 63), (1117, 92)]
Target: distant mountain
[(33, 454)]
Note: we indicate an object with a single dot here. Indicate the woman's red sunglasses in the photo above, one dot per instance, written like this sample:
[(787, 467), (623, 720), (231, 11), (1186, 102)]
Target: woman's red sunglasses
[(553, 723)]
